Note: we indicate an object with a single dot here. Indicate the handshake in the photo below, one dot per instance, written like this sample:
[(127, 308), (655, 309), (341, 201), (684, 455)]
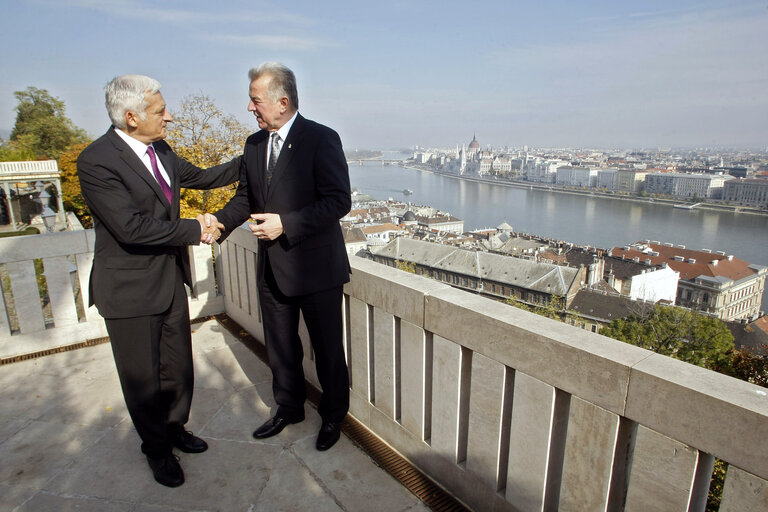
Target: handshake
[(264, 226), (210, 228)]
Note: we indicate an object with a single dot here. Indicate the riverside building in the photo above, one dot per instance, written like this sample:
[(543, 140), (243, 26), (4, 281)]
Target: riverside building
[(716, 284)]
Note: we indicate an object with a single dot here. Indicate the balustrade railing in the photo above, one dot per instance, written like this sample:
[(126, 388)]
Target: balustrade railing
[(44, 284), (505, 409), (512, 411)]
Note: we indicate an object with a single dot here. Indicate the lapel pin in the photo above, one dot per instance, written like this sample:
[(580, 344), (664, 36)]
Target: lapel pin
[(289, 146)]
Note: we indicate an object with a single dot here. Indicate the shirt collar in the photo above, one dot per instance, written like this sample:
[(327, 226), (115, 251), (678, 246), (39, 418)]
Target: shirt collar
[(283, 131), (136, 145)]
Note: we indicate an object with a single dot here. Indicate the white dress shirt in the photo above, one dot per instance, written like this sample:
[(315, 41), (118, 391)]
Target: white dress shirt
[(140, 149), (283, 133)]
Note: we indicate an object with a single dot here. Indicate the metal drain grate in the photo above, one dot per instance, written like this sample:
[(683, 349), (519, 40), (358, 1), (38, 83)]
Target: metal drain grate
[(388, 459), (393, 463), (75, 346), (68, 348)]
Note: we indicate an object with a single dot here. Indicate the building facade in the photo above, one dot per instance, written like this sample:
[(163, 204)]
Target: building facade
[(715, 284), (684, 185), (748, 192)]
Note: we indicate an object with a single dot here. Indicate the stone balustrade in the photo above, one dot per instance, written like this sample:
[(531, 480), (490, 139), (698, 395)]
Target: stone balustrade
[(505, 409), (512, 411), (44, 305)]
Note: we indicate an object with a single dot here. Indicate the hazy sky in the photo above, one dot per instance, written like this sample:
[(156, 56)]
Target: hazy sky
[(400, 73)]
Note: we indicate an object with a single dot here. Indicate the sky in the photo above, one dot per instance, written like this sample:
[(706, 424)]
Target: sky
[(401, 73)]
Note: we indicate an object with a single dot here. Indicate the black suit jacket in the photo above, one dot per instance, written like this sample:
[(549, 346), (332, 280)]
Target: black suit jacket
[(138, 232), (310, 191)]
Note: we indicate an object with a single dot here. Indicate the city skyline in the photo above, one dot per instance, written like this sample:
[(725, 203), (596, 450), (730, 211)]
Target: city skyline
[(685, 74)]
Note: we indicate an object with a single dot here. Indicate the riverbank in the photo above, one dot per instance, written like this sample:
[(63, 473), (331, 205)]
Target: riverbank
[(593, 193)]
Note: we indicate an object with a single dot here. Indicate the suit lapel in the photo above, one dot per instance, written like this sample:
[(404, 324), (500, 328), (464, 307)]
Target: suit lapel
[(260, 175), (289, 148), (134, 163)]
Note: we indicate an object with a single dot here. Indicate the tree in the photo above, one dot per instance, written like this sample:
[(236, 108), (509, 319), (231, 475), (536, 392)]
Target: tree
[(676, 332), (406, 266), (747, 364), (11, 152), (42, 129), (204, 136), (70, 185)]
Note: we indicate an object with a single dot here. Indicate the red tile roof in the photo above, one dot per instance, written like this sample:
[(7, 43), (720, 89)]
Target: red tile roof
[(703, 265)]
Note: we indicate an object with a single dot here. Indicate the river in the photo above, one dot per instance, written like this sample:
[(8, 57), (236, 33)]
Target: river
[(583, 220)]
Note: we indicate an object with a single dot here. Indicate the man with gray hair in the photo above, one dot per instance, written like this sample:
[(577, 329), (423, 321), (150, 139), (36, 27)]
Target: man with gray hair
[(130, 179), (294, 182)]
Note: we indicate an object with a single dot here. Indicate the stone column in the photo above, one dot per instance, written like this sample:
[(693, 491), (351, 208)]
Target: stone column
[(11, 217), (61, 215)]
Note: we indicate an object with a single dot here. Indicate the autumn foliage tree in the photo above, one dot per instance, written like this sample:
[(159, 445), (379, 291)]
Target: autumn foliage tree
[(70, 185), (204, 136)]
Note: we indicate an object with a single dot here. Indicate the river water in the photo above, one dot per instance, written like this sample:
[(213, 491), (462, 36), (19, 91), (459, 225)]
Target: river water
[(583, 220)]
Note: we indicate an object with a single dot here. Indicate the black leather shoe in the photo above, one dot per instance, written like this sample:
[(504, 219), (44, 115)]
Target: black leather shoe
[(167, 470), (189, 443), (328, 435), (273, 426)]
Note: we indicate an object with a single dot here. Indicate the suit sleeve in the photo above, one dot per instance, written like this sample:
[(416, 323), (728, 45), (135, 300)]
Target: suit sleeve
[(191, 176), (333, 196), (238, 209), (112, 203)]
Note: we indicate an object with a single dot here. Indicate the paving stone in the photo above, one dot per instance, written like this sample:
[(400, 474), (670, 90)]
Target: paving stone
[(352, 478), (247, 409), (40, 451), (227, 477), (292, 487), (12, 496), (236, 365), (45, 502), (97, 402), (10, 426), (113, 468)]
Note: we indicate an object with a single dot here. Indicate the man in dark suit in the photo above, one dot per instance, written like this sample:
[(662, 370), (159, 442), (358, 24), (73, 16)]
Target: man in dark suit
[(130, 179), (294, 182)]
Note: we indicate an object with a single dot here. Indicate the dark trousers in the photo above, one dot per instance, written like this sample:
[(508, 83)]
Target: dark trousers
[(322, 316), (153, 355)]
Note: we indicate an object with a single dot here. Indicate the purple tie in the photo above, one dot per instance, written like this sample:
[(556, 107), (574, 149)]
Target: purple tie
[(158, 176)]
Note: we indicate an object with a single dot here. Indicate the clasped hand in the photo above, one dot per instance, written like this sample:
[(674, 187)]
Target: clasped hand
[(211, 228), (266, 226)]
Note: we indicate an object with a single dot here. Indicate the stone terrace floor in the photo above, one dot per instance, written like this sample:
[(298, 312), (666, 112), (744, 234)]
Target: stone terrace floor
[(67, 442)]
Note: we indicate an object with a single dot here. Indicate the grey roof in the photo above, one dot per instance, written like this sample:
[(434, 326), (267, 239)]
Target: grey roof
[(520, 245), (532, 275), (624, 269), (354, 234), (605, 307)]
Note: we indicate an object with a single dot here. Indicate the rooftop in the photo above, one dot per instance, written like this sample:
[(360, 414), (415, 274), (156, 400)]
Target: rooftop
[(690, 263)]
